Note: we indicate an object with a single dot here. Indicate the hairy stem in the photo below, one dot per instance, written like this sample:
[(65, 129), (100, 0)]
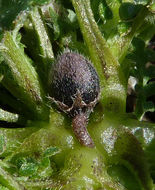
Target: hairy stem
[(46, 55), (7, 116), (21, 78), (112, 80)]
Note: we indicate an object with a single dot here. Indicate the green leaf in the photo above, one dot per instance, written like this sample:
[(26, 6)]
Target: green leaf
[(128, 11), (129, 149), (43, 142), (138, 21), (117, 139), (28, 169), (125, 176), (33, 168), (10, 10), (145, 89), (147, 29), (11, 138)]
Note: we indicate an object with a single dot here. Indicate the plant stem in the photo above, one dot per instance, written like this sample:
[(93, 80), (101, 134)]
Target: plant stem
[(7, 116), (24, 82), (112, 80), (45, 47)]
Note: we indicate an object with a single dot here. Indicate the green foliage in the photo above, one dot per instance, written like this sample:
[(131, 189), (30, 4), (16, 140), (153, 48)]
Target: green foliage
[(35, 167), (141, 56), (10, 9), (29, 89), (38, 149), (128, 11), (3, 188)]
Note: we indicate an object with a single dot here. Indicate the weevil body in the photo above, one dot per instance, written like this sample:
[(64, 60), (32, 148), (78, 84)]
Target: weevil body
[(74, 87)]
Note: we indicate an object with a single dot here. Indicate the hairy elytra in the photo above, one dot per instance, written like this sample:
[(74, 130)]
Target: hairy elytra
[(74, 87)]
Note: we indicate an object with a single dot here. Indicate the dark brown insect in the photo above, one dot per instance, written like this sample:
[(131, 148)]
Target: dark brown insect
[(74, 87)]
